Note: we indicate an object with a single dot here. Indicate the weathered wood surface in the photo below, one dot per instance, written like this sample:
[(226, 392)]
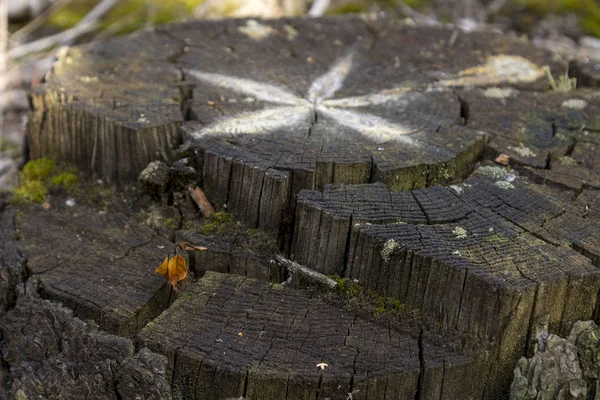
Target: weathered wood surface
[(231, 336), (225, 256), (52, 355), (100, 265), (489, 257), (341, 137)]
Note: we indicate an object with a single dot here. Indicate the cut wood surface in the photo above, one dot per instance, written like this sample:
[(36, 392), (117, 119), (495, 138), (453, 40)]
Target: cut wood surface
[(99, 265), (238, 337), (362, 148)]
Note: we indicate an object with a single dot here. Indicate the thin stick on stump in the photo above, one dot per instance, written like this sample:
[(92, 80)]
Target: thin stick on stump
[(202, 201), (305, 273)]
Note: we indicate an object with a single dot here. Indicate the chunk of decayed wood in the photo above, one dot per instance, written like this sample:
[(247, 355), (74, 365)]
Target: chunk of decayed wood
[(202, 201)]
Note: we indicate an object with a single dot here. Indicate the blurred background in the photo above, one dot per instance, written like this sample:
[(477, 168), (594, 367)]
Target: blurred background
[(32, 31)]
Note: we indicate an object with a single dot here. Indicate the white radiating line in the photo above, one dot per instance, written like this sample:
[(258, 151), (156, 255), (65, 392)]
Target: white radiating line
[(326, 85), (372, 99), (371, 126), (262, 121), (262, 91)]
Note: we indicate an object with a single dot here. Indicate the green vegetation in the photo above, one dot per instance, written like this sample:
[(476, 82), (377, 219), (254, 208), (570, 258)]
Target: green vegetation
[(350, 8), (378, 304), (67, 180), (170, 223), (564, 84), (218, 222), (587, 10), (42, 176), (133, 14), (387, 304)]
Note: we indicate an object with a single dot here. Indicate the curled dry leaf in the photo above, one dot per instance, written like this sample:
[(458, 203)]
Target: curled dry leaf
[(185, 246), (163, 268), (503, 159), (174, 270)]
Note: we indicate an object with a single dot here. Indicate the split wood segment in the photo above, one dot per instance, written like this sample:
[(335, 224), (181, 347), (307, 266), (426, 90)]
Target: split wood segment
[(244, 336), (340, 136), (98, 265)]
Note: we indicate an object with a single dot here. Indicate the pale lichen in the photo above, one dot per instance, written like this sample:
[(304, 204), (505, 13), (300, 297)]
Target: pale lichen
[(256, 30), (566, 160), (523, 151), (388, 248), (460, 232), (504, 185), (491, 172), (457, 188), (576, 104), (499, 93), (290, 32)]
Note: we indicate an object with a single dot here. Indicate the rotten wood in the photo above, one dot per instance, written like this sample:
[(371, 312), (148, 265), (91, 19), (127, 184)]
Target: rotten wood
[(201, 201)]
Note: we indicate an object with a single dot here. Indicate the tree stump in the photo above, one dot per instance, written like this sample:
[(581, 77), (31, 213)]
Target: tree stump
[(365, 147)]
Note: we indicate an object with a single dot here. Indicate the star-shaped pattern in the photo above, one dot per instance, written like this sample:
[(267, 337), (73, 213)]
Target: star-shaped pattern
[(290, 109)]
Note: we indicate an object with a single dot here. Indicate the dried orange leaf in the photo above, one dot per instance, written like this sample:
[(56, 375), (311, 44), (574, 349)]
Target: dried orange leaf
[(503, 159), (185, 246), (163, 268), (177, 270)]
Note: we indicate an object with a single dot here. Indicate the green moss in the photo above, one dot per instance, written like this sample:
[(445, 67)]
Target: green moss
[(170, 223), (385, 304), (133, 14), (66, 180), (218, 222), (38, 170), (346, 286), (587, 10), (30, 192), (372, 302), (350, 8), (40, 177)]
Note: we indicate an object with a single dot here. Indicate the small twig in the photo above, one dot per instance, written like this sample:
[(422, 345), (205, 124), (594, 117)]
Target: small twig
[(493, 8), (307, 274), (318, 8), (417, 16), (113, 28), (38, 21), (50, 41), (98, 12), (87, 24), (453, 38), (202, 201)]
